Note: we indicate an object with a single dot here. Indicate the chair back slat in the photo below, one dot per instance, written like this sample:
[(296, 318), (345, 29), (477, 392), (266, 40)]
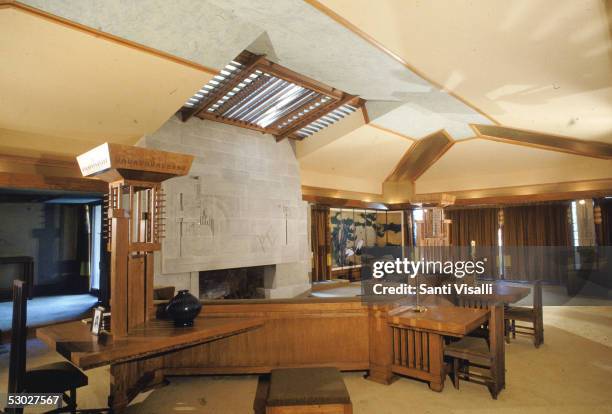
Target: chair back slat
[(17, 365)]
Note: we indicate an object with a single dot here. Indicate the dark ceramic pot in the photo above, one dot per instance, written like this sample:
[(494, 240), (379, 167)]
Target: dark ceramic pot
[(183, 308)]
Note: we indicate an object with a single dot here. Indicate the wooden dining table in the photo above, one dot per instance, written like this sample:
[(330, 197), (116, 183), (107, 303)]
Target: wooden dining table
[(136, 360), (417, 340)]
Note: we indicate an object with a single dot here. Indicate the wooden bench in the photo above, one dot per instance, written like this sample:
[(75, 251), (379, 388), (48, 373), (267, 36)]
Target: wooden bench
[(318, 390)]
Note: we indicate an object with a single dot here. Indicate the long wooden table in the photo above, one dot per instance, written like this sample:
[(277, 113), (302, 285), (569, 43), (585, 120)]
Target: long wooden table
[(136, 360)]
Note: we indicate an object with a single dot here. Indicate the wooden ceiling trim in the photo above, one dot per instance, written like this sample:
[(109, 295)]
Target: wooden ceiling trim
[(569, 190), (295, 112), (221, 92), (288, 75), (549, 142), (314, 115), (252, 92), (420, 156), (242, 94), (390, 131), (45, 182), (241, 124)]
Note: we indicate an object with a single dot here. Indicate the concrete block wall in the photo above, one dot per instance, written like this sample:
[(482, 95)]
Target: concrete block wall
[(240, 206)]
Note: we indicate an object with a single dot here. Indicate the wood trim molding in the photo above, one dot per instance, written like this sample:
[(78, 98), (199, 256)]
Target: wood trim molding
[(311, 191), (569, 190), (68, 163), (40, 182), (421, 156), (539, 140), (350, 26), (106, 36), (390, 131)]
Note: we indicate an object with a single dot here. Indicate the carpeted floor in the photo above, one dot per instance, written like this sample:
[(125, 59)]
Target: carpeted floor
[(570, 373)]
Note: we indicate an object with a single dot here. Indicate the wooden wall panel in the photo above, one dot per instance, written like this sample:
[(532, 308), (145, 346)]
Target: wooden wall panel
[(294, 335)]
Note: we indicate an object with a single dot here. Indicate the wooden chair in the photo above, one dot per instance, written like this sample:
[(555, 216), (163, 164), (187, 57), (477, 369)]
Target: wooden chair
[(533, 315), (58, 377), (474, 352), (467, 302)]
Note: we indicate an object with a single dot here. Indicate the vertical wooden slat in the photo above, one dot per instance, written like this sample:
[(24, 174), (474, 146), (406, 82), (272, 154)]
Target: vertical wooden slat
[(425, 348), (149, 283), (418, 356), (396, 346), (404, 347), (411, 359)]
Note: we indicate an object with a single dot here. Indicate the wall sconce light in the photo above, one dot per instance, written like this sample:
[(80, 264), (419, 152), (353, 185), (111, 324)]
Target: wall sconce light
[(597, 215)]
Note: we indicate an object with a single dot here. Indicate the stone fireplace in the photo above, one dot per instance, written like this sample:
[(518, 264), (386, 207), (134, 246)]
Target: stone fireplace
[(239, 283), (237, 224)]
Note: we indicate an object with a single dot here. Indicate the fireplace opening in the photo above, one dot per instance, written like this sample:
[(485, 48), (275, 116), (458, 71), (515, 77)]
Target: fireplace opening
[(238, 283)]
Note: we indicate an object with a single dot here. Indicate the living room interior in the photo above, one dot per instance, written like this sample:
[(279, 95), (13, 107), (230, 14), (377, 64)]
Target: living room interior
[(252, 162)]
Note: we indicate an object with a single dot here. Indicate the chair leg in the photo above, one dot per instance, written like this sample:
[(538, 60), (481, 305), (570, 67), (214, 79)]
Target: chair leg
[(456, 373), (493, 389), (507, 330), (73, 400)]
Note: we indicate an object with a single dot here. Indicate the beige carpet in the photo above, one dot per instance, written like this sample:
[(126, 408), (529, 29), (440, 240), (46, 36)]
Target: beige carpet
[(570, 373)]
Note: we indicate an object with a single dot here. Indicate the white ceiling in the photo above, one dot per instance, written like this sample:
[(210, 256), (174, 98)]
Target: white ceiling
[(64, 90), (538, 65), (212, 32), (479, 163), (365, 152), (544, 65)]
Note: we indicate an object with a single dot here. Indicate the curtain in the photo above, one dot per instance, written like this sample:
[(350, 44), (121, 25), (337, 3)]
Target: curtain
[(605, 228), (320, 239), (408, 229), (478, 224), (536, 240)]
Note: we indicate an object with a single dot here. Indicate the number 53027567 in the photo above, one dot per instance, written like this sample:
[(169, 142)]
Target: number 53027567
[(28, 400)]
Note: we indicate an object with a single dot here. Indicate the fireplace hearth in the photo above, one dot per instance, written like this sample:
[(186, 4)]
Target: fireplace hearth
[(238, 283)]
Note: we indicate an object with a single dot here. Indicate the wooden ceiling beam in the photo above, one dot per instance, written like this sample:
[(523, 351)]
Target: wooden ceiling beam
[(288, 75), (420, 156), (316, 114), (295, 112), (243, 93), (217, 118), (544, 141), (221, 92)]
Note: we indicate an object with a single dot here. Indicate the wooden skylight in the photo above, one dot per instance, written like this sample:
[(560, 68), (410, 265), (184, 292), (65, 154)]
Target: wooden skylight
[(254, 93)]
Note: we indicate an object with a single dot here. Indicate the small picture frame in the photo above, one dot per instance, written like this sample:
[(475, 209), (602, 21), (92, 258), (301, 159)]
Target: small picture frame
[(96, 321)]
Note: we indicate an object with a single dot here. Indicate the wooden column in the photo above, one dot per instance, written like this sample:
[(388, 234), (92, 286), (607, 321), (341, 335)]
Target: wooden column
[(380, 337)]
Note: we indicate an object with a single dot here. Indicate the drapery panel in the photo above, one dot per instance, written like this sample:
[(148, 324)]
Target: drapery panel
[(320, 239), (535, 241), (605, 228), (477, 224)]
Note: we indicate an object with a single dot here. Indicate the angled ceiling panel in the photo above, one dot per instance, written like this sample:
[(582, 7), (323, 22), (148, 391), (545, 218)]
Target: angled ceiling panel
[(420, 157), (545, 141)]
